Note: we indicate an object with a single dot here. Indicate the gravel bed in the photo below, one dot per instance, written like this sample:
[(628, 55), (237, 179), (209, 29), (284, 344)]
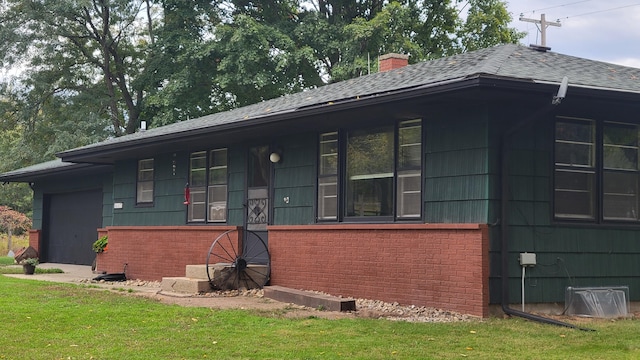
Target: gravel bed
[(365, 307)]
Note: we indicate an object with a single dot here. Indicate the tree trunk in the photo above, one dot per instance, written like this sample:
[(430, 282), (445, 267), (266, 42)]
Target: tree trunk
[(9, 240)]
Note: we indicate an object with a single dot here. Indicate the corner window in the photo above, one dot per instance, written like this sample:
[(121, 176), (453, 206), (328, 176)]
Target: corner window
[(372, 173), (208, 186), (144, 186), (596, 170)]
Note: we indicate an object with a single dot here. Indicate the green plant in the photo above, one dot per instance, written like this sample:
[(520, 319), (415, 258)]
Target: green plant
[(30, 261), (100, 245)]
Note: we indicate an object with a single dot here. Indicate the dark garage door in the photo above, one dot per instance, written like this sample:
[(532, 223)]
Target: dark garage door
[(72, 220)]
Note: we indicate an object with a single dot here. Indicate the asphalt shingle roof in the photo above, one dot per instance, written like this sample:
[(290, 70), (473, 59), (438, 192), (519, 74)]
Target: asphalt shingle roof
[(507, 61)]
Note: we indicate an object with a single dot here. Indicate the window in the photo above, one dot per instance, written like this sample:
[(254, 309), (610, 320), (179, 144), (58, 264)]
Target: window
[(144, 187), (328, 177), (620, 175), (409, 187), (370, 172), (381, 173), (596, 163), (208, 186), (575, 169)]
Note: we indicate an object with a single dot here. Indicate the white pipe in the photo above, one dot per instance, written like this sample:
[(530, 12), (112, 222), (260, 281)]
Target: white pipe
[(523, 273)]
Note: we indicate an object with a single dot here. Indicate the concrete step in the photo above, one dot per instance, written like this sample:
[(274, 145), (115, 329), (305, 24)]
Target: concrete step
[(309, 299), (185, 285), (196, 272)]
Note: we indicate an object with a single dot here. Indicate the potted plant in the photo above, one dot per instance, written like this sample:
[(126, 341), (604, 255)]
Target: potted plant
[(99, 246), (29, 265)]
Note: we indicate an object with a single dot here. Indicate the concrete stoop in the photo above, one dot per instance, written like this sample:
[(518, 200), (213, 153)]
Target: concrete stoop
[(184, 285), (309, 299), (195, 281)]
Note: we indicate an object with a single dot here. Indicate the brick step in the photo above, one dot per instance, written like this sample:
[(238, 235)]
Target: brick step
[(309, 299), (184, 285)]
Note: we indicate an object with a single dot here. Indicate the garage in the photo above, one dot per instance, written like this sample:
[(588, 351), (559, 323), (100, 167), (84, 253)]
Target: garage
[(70, 227)]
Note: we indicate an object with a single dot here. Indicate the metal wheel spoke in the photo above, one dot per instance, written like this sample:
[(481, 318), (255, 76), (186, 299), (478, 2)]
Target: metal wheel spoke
[(222, 280), (232, 270), (255, 243), (232, 256), (249, 276), (235, 251), (257, 256)]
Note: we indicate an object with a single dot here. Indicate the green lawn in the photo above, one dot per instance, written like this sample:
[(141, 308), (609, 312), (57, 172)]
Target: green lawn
[(43, 320), (5, 268)]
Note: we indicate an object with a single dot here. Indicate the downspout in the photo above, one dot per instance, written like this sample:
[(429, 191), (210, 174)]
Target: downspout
[(504, 229)]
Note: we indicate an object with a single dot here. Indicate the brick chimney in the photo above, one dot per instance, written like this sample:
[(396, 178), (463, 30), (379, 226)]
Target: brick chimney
[(392, 61)]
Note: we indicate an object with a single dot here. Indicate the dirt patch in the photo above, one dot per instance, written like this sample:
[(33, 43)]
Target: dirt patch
[(256, 304)]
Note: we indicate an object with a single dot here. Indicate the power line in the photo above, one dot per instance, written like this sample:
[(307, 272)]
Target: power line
[(557, 6), (600, 11)]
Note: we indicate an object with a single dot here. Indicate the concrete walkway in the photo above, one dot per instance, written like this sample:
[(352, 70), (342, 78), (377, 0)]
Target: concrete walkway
[(79, 274)]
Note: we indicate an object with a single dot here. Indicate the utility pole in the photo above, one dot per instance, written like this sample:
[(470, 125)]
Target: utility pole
[(543, 26)]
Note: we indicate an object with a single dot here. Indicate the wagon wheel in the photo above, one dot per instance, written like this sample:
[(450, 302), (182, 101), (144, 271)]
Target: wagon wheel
[(232, 267)]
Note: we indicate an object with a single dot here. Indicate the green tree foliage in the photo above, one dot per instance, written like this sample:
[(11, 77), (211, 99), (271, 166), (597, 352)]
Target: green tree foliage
[(485, 26), (85, 50), (90, 69)]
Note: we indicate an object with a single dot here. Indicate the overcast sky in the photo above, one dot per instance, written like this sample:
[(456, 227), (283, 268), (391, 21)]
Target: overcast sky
[(594, 29)]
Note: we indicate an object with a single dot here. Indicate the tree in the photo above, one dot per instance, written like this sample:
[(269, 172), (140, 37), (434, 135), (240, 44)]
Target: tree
[(107, 64), (92, 49), (12, 222), (486, 26), (180, 72)]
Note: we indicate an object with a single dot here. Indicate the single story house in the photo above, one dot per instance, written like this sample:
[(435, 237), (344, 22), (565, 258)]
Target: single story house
[(421, 185)]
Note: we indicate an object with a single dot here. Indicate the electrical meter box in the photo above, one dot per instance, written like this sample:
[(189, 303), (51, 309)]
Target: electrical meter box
[(527, 259)]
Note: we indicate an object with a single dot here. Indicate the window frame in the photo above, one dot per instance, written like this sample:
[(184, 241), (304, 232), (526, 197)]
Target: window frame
[(600, 173), (142, 180), (341, 175), (205, 189)]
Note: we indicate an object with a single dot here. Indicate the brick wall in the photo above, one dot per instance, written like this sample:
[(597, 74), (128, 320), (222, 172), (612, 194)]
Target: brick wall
[(154, 252), (436, 265), (34, 239)]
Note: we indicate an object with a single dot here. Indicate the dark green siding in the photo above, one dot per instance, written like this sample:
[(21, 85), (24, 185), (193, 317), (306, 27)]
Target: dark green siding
[(568, 254), (295, 179), (107, 200), (459, 177), (170, 172)]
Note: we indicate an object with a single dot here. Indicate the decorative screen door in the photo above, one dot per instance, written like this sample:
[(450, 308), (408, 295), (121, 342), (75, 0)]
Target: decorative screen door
[(258, 180)]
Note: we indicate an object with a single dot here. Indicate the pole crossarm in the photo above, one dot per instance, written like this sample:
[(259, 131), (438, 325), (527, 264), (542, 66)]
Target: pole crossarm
[(543, 25)]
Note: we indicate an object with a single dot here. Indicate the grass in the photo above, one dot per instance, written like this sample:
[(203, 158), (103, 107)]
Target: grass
[(6, 267), (42, 320), (17, 241)]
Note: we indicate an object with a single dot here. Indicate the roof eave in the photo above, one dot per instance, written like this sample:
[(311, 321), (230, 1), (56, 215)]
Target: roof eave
[(98, 154), (87, 154), (71, 169)]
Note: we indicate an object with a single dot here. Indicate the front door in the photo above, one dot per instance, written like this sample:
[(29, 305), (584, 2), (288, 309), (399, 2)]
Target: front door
[(258, 215)]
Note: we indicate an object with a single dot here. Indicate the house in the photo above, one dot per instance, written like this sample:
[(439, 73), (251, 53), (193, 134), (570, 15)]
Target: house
[(420, 185)]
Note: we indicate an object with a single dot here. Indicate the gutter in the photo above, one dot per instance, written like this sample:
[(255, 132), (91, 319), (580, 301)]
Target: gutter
[(504, 228)]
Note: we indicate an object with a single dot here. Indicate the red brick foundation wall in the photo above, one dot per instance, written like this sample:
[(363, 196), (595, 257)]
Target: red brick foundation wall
[(154, 252), (436, 265), (34, 239)]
